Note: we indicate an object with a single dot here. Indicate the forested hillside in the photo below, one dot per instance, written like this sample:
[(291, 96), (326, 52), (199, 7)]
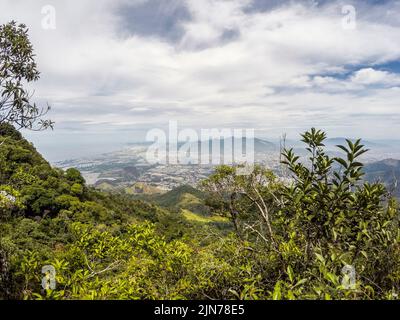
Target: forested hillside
[(284, 241)]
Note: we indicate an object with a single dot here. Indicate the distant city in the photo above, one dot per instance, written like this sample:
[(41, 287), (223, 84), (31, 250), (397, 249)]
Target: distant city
[(128, 169)]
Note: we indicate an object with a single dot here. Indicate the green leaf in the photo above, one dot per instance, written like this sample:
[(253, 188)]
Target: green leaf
[(290, 273)]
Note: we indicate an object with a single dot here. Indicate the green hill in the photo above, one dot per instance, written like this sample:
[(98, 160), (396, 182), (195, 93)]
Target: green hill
[(51, 217), (182, 197), (40, 206)]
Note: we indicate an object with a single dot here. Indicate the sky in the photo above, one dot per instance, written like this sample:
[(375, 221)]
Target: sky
[(114, 69)]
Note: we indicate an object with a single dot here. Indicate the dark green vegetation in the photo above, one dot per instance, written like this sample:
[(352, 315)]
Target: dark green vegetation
[(286, 241), (47, 213)]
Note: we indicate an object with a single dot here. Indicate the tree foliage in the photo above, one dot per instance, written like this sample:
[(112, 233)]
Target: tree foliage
[(17, 68), (321, 224)]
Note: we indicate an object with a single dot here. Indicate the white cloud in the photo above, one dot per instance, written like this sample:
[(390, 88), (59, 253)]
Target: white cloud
[(277, 72), (369, 76)]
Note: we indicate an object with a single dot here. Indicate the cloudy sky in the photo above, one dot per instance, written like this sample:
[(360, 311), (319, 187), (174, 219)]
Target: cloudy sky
[(113, 69)]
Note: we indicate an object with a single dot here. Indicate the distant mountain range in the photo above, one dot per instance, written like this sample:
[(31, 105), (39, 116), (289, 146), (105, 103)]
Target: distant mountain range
[(333, 142), (386, 171), (260, 145)]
